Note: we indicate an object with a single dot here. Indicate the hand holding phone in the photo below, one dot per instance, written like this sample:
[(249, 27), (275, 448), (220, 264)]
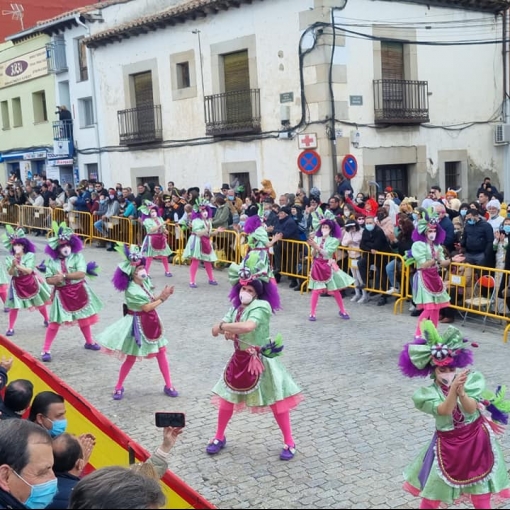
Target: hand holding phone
[(170, 419)]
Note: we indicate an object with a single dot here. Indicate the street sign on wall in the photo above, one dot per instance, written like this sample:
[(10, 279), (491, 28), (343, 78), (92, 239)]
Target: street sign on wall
[(349, 166), (309, 162)]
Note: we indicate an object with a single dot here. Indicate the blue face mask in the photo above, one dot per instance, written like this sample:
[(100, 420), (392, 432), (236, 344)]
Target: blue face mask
[(415, 216), (506, 228), (369, 227), (463, 212), (231, 198), (42, 494), (58, 427), (471, 222)]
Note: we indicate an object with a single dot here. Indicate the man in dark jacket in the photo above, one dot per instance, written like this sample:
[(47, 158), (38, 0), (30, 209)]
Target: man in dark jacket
[(68, 466), (477, 240), (286, 254), (374, 240), (26, 458), (17, 398)]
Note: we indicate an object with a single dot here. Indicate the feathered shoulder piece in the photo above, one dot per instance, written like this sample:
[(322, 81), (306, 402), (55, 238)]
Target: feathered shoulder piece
[(200, 204), (146, 207), (11, 235), (495, 403)]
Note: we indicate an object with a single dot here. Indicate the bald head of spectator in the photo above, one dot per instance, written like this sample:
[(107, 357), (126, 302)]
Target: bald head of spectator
[(17, 398)]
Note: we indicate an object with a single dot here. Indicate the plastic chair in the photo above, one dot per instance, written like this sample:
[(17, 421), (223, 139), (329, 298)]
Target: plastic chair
[(484, 296)]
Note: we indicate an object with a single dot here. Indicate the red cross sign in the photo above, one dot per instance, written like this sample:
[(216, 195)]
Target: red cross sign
[(307, 141)]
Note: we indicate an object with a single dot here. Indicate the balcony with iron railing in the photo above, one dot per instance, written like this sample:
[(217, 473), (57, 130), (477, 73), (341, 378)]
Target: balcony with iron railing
[(140, 125), (401, 102), (63, 130), (56, 55), (232, 113)]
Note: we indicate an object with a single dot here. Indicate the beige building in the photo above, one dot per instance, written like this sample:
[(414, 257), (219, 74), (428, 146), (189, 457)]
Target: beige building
[(27, 106)]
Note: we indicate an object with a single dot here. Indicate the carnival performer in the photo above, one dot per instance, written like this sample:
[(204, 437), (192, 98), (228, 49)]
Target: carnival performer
[(26, 290), (199, 246), (155, 243), (73, 299), (464, 459), (254, 378), (325, 275), (258, 243), (139, 334), (4, 285), (429, 290)]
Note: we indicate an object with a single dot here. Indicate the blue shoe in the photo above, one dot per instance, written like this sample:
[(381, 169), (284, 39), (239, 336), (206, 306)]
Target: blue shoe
[(344, 315), (168, 274), (6, 309), (170, 392), (215, 446), (192, 285), (46, 324), (46, 357), (312, 318), (118, 394), (10, 332), (213, 282), (288, 452), (92, 347)]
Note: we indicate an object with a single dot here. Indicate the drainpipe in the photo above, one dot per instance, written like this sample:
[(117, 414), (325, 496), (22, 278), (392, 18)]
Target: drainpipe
[(94, 99), (332, 126), (506, 154)]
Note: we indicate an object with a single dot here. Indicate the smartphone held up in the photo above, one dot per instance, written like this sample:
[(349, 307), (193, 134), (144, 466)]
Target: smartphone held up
[(170, 419)]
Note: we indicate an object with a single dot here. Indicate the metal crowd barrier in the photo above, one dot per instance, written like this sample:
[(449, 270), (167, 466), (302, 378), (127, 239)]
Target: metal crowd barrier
[(36, 218), (226, 245), (9, 214), (115, 229)]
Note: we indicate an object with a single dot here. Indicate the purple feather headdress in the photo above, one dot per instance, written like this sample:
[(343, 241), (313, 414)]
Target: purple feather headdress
[(336, 231), (74, 242), (252, 223), (198, 214), (268, 291)]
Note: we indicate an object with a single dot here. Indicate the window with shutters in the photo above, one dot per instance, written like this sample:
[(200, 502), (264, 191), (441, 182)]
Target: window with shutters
[(82, 61), (237, 109), (399, 100), (143, 122), (392, 175), (452, 174)]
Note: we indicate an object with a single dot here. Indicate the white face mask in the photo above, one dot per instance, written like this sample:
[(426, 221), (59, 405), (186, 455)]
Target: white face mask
[(325, 231), (446, 378), (142, 274), (154, 214), (18, 249), (245, 297), (205, 214), (65, 251), (431, 236)]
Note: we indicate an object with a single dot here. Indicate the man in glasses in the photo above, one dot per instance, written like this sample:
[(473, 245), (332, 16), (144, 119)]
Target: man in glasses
[(433, 197)]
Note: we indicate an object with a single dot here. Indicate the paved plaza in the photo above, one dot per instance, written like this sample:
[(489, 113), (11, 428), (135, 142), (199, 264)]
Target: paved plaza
[(355, 431)]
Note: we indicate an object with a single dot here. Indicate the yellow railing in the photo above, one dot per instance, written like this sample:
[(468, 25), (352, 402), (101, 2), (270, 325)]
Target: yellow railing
[(9, 215)]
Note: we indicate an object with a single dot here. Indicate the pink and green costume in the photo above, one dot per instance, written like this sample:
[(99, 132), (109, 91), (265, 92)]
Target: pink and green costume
[(155, 243), (138, 333), (200, 247), (26, 291)]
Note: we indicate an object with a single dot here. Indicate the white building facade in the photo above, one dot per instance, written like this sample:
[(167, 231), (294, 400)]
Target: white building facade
[(212, 91)]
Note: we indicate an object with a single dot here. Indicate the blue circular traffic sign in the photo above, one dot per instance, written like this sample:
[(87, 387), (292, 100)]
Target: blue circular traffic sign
[(309, 162), (349, 166)]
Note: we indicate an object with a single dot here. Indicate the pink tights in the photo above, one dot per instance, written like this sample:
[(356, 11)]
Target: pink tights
[(52, 331), (194, 269), (227, 409), (148, 263), (13, 315), (126, 367), (433, 315), (315, 298), (3, 293)]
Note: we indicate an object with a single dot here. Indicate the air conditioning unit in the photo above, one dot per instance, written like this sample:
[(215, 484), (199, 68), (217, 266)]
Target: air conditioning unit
[(501, 134)]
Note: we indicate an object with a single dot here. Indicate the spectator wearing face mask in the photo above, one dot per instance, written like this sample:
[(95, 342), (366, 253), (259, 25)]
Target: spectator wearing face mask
[(477, 240), (494, 210)]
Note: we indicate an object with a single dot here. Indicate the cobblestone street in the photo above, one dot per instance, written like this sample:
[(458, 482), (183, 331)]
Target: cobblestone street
[(355, 431)]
